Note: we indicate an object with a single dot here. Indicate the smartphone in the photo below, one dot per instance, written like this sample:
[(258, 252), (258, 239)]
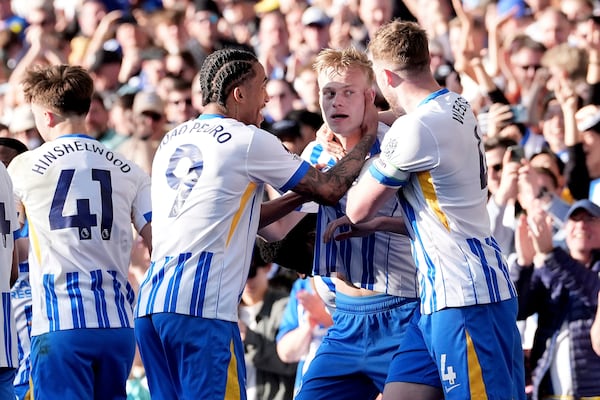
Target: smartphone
[(520, 114), (517, 153)]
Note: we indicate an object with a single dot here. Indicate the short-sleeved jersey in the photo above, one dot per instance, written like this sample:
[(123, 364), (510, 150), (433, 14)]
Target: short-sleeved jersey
[(80, 200), (436, 155), (207, 187), (381, 261), (9, 225)]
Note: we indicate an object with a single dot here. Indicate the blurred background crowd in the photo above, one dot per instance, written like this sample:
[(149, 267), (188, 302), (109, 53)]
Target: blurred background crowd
[(529, 68)]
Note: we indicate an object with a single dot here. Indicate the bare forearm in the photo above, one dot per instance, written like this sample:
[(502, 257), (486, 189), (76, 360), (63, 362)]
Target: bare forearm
[(294, 344), (272, 210)]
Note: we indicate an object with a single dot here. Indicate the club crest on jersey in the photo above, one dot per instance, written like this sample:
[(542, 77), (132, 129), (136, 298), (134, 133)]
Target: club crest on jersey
[(390, 147)]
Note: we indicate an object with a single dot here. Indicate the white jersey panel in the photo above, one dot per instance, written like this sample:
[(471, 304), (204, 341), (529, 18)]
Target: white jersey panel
[(80, 200), (9, 224), (207, 188), (381, 261), (435, 153)]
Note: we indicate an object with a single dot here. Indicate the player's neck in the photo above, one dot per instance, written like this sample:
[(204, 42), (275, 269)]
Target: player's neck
[(412, 93), (67, 127), (348, 141)]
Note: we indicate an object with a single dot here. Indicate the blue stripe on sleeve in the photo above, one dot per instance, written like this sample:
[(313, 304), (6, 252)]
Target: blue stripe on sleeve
[(298, 175), (148, 216), (385, 180)]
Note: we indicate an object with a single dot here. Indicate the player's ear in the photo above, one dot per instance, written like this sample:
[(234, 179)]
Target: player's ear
[(239, 94), (391, 78), (371, 95), (50, 119)]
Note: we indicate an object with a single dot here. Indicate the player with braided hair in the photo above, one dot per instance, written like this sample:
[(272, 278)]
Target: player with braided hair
[(207, 185)]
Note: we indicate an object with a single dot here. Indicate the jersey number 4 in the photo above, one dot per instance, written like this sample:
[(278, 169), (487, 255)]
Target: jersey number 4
[(83, 220), (4, 224)]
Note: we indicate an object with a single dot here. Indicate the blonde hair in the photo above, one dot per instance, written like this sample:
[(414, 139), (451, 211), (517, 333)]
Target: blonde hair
[(403, 44), (343, 60)]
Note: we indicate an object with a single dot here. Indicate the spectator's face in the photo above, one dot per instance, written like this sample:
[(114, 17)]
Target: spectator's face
[(273, 34), (316, 37), (90, 15), (281, 99), (308, 89), (97, 119), (375, 13), (583, 232), (546, 161), (179, 106), (554, 29), (553, 126), (342, 98), (202, 26), (576, 9), (591, 147), (493, 160), (525, 63)]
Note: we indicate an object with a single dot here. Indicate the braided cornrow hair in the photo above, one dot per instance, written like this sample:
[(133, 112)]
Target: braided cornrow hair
[(222, 71)]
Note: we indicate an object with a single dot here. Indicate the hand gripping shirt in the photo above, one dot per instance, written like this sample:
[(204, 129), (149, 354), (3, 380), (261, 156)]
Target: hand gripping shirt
[(381, 261), (207, 187), (80, 200), (9, 225), (435, 154)]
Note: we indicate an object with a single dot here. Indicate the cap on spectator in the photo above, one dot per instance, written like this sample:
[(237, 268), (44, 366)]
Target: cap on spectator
[(207, 5), (265, 6), (315, 16), (585, 204), (588, 118), (21, 119), (286, 129), (506, 6), (147, 101)]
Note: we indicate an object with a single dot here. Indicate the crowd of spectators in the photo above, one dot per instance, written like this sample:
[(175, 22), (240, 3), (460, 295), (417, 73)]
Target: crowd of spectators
[(529, 68)]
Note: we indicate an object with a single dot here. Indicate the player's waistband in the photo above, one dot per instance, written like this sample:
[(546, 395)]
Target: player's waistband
[(370, 304)]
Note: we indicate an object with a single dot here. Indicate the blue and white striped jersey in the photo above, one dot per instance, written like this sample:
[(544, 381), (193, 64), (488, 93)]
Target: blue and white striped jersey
[(80, 200), (207, 188), (381, 261), (9, 225), (21, 304), (436, 155)]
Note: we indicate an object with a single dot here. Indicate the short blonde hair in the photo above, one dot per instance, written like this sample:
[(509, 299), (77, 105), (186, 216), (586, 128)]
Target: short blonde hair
[(344, 59), (403, 44)]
